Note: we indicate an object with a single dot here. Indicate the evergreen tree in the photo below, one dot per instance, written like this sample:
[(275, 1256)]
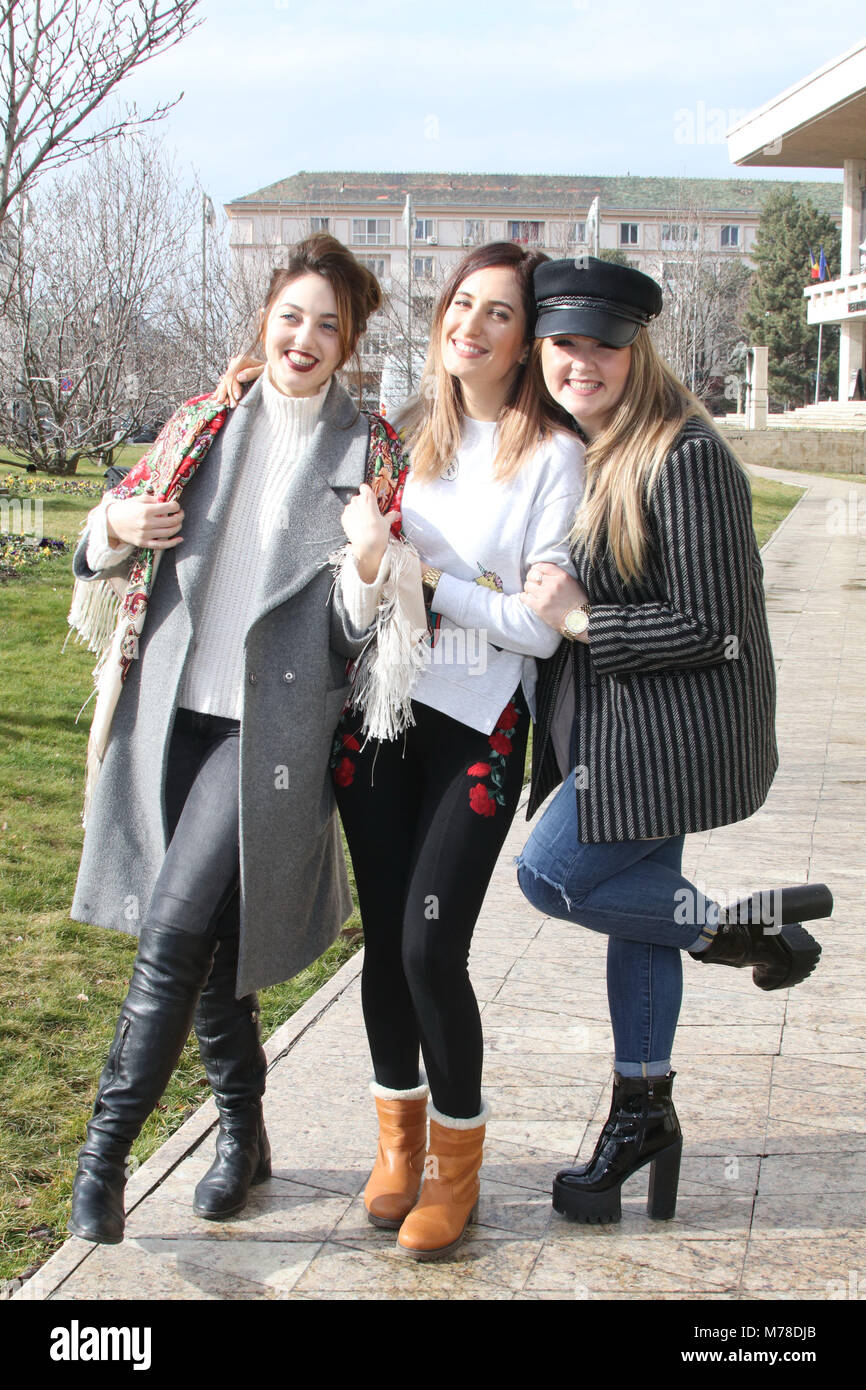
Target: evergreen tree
[(776, 316)]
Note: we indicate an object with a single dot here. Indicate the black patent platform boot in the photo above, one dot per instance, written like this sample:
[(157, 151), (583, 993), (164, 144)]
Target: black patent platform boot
[(764, 931), (229, 1042), (169, 971), (642, 1128)]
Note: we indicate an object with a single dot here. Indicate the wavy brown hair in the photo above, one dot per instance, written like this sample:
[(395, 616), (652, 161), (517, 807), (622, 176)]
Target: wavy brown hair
[(624, 459), (356, 289), (432, 419)]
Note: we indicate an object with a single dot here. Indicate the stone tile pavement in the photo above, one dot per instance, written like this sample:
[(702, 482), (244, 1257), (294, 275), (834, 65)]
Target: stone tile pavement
[(771, 1089)]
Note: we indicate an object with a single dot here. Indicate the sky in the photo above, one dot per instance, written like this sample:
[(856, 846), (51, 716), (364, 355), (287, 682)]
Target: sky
[(590, 87)]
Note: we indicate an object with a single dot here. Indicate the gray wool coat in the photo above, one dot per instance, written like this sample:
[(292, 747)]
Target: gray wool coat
[(294, 888)]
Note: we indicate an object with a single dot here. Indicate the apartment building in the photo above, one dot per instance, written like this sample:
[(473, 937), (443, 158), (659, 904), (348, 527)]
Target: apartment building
[(653, 221)]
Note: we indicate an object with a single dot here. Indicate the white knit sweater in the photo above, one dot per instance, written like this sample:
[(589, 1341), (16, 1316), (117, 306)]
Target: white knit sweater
[(281, 431)]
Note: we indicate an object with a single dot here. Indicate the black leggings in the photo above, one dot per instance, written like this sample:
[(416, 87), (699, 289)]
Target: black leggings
[(197, 887), (425, 818)]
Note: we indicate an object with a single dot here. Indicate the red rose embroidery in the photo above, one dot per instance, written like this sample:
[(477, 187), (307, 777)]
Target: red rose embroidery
[(500, 743), (349, 741), (480, 801), (344, 772), (478, 770), (508, 717)]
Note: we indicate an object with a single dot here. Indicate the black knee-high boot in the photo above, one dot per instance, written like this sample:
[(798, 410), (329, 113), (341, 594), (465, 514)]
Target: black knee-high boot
[(169, 972), (229, 1042)]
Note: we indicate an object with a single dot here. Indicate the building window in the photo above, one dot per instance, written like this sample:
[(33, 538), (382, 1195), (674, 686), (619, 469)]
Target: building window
[(628, 233), (374, 343), (676, 236), (320, 224), (242, 231), (730, 238), (576, 233), (378, 265), (422, 267), (371, 231), (473, 231), (526, 233), (423, 228)]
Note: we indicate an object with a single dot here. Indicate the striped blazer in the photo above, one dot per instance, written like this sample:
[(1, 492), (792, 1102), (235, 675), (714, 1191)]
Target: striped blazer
[(675, 691)]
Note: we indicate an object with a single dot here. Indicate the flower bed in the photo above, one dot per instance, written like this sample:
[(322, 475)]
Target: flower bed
[(18, 553), (27, 485)]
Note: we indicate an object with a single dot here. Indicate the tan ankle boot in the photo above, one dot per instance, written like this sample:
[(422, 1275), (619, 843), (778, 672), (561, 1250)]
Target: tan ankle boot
[(437, 1223), (396, 1177)]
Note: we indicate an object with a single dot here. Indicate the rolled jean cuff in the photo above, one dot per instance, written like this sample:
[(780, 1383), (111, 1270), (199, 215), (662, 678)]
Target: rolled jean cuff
[(642, 1069)]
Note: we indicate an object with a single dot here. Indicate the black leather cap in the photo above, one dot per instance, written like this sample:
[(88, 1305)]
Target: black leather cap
[(594, 299)]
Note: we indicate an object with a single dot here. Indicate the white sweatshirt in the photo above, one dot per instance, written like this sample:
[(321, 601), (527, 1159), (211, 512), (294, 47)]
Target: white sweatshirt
[(484, 535)]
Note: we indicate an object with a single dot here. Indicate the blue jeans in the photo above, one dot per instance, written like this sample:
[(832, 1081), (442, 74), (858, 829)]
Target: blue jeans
[(634, 892)]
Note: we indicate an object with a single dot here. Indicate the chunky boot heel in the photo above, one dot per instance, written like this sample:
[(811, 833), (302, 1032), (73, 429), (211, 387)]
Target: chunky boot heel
[(642, 1128), (661, 1202), (760, 931)]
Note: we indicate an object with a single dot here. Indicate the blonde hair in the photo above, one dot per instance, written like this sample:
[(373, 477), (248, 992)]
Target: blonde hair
[(623, 461), (432, 419)]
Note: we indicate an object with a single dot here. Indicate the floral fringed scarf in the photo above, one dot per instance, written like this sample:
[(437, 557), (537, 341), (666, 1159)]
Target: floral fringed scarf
[(110, 617)]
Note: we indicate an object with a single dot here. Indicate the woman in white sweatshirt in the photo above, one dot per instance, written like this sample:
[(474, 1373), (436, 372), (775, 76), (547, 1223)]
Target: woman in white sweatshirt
[(493, 487)]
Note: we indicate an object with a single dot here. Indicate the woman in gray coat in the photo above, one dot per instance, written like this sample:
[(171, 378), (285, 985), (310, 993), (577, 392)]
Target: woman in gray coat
[(212, 831)]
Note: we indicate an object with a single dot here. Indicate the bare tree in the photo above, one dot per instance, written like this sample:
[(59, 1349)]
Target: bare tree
[(88, 345), (705, 300), (59, 60)]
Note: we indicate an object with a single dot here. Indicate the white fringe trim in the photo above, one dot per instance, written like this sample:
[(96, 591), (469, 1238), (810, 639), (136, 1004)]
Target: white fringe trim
[(384, 1093), (449, 1122), (93, 613), (384, 674)]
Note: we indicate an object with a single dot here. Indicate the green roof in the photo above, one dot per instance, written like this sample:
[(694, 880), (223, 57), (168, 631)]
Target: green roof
[(512, 192)]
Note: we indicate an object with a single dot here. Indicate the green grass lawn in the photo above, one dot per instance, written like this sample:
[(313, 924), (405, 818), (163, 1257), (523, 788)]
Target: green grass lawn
[(61, 983)]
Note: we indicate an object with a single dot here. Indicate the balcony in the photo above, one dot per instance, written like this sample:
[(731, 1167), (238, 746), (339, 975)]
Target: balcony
[(837, 301)]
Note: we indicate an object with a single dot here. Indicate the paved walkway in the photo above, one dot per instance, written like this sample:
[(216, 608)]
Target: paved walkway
[(771, 1089)]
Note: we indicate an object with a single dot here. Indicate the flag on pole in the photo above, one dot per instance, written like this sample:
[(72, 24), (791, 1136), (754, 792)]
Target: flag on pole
[(813, 265), (823, 272)]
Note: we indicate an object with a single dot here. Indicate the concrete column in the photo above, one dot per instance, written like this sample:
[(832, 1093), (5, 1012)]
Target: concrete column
[(852, 337), (758, 392), (852, 202)]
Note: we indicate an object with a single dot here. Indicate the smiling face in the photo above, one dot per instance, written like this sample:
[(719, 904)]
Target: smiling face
[(301, 336), (587, 378), (483, 331)]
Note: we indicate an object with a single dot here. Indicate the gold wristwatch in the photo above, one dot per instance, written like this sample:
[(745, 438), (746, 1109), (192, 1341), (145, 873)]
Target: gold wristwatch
[(430, 578), (576, 621)]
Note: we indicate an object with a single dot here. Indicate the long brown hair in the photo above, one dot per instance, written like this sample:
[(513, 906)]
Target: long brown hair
[(624, 459), (356, 289), (432, 419)]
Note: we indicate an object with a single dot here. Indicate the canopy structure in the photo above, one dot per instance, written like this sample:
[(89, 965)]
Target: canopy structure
[(821, 123)]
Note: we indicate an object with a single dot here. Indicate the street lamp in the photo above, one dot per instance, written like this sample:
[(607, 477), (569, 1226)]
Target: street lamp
[(407, 223), (207, 220)]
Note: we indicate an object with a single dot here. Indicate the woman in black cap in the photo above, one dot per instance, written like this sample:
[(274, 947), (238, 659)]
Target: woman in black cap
[(674, 691)]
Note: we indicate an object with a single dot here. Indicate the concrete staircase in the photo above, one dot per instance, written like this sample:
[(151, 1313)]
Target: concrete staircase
[(828, 415)]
